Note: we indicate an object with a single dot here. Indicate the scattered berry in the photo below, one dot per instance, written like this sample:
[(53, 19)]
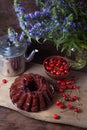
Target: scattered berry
[(55, 116), (4, 81), (58, 102), (75, 87), (61, 90), (61, 105), (66, 98), (76, 110), (63, 83), (64, 95), (70, 87), (66, 86), (69, 106), (74, 98), (71, 99)]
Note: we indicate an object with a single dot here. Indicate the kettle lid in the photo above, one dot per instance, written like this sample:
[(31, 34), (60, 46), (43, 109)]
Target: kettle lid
[(10, 51)]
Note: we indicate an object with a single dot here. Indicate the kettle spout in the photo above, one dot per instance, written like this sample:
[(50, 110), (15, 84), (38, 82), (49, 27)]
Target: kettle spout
[(31, 55)]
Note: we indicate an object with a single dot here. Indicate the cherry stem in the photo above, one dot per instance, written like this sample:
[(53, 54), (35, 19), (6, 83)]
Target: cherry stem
[(76, 114), (79, 103), (65, 110)]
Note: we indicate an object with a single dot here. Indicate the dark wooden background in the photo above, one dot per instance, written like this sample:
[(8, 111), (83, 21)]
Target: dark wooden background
[(9, 119)]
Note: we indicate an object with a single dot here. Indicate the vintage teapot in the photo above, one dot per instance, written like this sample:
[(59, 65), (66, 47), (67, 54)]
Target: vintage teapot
[(12, 58)]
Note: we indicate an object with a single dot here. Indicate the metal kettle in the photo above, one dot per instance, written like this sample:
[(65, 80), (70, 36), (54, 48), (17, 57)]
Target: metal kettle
[(12, 59)]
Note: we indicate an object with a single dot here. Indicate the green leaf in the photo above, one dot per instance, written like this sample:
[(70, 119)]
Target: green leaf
[(70, 17)]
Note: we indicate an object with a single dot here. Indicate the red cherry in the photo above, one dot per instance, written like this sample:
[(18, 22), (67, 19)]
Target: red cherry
[(57, 65), (66, 71), (58, 102), (51, 61), (61, 90), (71, 81), (69, 106), (75, 87), (70, 86), (4, 81), (67, 81), (76, 110), (70, 99), (58, 81), (61, 105), (61, 69), (57, 73), (51, 71), (46, 62), (62, 83), (74, 97), (51, 65), (54, 71), (64, 95), (55, 116), (66, 99), (48, 68)]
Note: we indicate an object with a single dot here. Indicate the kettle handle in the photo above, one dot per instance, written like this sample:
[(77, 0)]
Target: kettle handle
[(31, 56), (1, 61)]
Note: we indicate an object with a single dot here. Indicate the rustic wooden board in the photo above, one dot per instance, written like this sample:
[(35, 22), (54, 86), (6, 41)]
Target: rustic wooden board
[(67, 117)]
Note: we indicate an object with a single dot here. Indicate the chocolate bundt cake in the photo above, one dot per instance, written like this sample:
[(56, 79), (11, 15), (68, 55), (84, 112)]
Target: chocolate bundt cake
[(31, 92)]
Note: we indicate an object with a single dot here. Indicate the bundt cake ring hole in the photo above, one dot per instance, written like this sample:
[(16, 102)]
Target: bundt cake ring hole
[(32, 86)]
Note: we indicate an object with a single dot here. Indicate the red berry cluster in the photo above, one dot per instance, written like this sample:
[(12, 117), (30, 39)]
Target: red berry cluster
[(56, 66), (69, 106), (60, 104), (64, 86)]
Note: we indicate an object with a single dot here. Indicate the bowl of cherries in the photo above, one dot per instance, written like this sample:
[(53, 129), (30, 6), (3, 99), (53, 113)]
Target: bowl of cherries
[(57, 67)]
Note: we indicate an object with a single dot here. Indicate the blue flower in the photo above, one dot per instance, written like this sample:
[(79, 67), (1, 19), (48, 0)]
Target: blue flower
[(37, 13), (22, 25), (21, 36), (53, 20)]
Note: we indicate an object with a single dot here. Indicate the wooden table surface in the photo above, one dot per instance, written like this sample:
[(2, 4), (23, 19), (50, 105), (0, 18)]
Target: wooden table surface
[(9, 119)]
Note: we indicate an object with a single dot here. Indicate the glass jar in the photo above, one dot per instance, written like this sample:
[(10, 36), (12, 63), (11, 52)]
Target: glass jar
[(78, 59)]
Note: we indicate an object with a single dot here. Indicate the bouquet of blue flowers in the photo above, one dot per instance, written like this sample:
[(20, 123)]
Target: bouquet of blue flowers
[(62, 21)]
